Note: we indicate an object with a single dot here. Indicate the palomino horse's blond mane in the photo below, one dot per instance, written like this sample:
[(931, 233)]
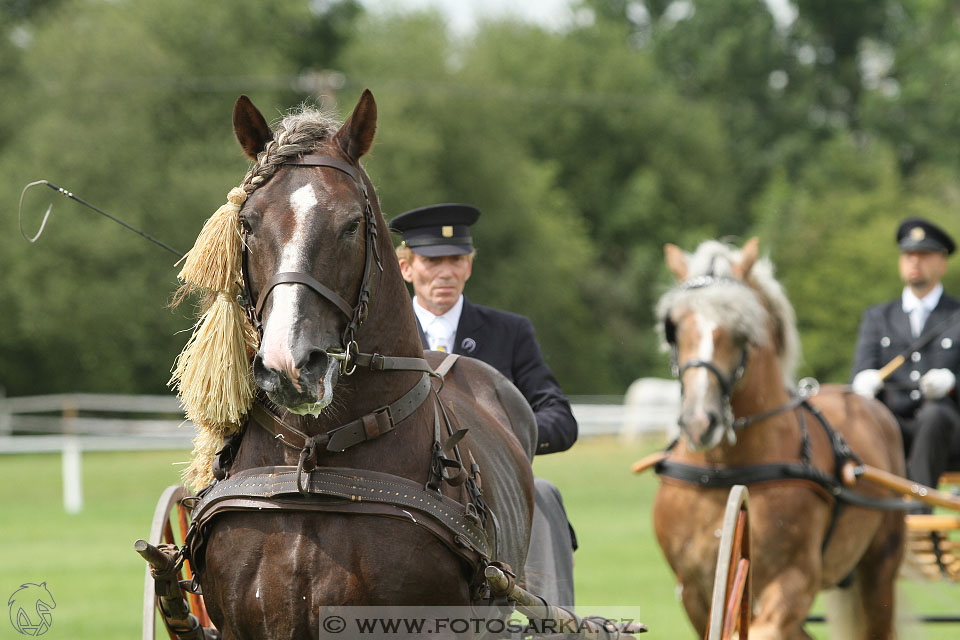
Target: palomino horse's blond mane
[(725, 301)]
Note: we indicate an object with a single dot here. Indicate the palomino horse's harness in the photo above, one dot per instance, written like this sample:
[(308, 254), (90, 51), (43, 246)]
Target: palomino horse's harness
[(469, 529), (726, 477)]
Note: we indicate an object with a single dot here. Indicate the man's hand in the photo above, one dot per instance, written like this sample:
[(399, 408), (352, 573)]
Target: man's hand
[(937, 383), (867, 383)]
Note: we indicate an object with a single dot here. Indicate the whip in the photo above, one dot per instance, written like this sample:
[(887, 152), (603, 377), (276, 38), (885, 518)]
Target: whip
[(70, 195)]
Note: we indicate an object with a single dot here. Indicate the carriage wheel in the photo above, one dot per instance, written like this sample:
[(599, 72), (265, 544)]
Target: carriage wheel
[(170, 523), (730, 608)]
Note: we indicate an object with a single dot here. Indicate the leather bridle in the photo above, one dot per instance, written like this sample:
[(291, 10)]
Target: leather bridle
[(726, 382), (355, 314)]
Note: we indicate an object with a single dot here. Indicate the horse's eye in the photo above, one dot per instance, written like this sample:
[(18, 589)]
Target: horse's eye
[(245, 226), (670, 331), (352, 228)]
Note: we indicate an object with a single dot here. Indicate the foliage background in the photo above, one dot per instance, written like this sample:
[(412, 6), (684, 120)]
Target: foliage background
[(586, 147)]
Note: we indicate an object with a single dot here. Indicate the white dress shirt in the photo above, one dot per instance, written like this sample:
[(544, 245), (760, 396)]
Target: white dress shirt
[(919, 309), (441, 331)]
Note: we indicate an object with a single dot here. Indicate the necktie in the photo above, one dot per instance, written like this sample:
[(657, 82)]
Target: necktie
[(918, 317)]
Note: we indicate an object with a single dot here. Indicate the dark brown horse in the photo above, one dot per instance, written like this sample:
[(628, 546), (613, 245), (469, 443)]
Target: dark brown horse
[(735, 343), (266, 574)]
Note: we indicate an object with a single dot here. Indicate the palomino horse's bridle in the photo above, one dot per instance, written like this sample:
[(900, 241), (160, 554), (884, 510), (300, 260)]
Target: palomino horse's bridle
[(808, 387), (356, 314), (727, 382)]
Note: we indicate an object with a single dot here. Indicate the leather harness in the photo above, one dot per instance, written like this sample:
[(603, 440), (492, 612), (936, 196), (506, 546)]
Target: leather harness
[(830, 488), (461, 527)]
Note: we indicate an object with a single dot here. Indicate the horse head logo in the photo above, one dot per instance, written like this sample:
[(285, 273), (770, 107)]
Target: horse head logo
[(30, 607)]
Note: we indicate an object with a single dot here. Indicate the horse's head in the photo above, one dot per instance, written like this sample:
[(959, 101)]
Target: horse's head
[(311, 253), (725, 309)]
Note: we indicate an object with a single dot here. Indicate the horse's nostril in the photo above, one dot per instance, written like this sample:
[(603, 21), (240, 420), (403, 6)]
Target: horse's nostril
[(714, 420), (266, 378), (316, 363)]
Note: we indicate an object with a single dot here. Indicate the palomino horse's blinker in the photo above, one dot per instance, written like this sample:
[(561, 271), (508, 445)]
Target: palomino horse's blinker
[(355, 314)]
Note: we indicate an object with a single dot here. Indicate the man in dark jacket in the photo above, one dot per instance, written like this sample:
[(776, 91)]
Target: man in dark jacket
[(923, 325), (436, 257)]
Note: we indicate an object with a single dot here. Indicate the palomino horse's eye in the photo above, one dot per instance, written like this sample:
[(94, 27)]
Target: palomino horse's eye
[(670, 331)]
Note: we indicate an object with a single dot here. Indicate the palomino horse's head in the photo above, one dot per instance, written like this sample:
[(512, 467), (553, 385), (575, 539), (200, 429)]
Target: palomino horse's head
[(310, 247), (725, 311)]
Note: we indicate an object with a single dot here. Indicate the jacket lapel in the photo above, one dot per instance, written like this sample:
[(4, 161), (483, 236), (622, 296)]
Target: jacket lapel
[(945, 307), (467, 327), (423, 336), (900, 321)]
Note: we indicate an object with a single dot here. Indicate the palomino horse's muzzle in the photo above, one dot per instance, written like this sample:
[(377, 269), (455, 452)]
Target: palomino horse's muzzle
[(722, 418)]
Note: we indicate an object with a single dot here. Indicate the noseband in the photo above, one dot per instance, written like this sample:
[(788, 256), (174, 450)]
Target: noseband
[(355, 314), (726, 382)]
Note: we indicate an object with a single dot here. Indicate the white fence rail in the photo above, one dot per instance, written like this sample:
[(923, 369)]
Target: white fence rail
[(106, 422), (69, 424)]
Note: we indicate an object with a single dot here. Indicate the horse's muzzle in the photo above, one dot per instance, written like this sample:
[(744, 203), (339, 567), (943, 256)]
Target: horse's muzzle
[(704, 430), (304, 385)]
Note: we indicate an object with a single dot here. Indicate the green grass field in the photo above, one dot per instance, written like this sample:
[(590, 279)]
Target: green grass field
[(96, 578)]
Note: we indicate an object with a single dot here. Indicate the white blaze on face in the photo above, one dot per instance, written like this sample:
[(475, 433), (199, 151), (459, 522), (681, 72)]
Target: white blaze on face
[(705, 354), (285, 299)]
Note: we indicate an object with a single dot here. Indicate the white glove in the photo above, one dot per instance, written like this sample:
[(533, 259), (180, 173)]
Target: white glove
[(867, 383), (937, 383)]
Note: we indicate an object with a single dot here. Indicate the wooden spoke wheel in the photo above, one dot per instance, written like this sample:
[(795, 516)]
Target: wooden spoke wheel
[(170, 523), (730, 607)]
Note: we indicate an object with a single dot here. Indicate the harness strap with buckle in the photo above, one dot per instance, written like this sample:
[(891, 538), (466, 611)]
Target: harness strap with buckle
[(370, 426)]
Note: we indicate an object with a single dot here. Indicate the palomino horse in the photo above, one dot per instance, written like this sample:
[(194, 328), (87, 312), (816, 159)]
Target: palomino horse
[(316, 242), (734, 340)]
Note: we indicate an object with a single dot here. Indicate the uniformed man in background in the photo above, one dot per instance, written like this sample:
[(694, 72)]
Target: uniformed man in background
[(924, 325), (436, 256)]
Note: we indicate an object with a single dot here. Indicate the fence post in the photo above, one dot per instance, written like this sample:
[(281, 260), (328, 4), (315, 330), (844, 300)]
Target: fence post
[(72, 467), (6, 422)]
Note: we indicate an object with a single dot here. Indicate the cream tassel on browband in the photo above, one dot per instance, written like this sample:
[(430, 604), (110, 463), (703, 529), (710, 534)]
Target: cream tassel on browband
[(214, 262), (212, 374)]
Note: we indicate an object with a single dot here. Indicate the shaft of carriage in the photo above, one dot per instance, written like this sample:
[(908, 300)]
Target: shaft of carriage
[(173, 607), (553, 618), (853, 472)]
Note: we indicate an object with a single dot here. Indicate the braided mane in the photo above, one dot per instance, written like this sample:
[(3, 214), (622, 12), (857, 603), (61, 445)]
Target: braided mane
[(299, 132)]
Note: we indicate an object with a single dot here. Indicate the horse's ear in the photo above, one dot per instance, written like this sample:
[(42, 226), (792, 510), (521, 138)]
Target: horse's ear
[(355, 137), (252, 131), (748, 256), (676, 261)]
